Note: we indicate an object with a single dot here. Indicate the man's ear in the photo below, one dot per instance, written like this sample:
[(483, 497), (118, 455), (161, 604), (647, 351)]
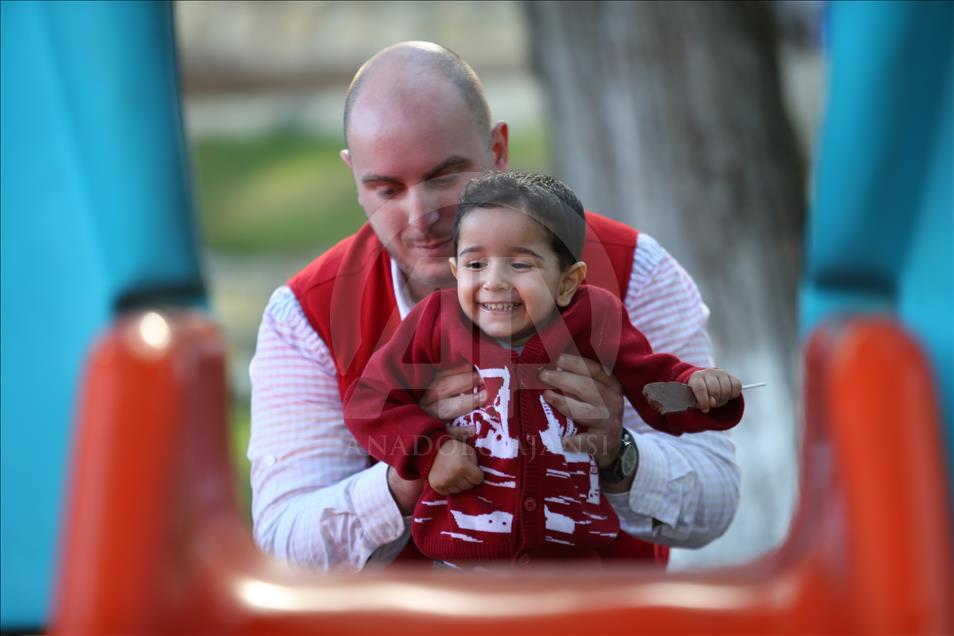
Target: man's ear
[(571, 281), (345, 156), (453, 264), (500, 145)]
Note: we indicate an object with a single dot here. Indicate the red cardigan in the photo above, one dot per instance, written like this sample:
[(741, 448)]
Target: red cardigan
[(536, 499)]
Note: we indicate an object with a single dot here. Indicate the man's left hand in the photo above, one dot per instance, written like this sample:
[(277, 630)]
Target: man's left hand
[(593, 398)]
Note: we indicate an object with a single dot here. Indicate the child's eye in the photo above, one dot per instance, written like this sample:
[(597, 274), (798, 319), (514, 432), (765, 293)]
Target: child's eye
[(521, 265), (474, 265)]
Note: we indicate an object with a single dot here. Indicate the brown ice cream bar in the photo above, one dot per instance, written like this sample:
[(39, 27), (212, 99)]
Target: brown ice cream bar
[(669, 397)]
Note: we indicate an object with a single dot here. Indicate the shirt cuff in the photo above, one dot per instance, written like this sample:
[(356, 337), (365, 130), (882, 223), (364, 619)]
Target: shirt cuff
[(381, 519), (637, 525), (650, 497)]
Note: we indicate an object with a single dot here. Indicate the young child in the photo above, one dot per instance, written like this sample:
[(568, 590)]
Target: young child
[(513, 489)]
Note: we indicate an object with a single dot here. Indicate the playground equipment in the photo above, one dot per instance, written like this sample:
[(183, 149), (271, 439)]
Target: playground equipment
[(166, 550), (96, 208)]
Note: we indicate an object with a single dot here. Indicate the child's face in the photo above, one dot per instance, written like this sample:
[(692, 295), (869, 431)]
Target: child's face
[(509, 279)]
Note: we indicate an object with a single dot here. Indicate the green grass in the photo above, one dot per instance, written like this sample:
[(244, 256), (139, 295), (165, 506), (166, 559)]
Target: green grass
[(277, 192), (286, 192)]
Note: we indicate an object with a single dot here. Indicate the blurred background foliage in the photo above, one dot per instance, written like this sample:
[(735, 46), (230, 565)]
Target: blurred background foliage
[(263, 89), (285, 192)]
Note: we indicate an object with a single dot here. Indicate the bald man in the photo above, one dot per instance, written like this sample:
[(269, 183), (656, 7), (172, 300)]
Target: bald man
[(417, 128)]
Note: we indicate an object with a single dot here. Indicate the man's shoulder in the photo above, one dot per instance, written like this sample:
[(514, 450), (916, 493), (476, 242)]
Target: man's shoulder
[(651, 260), (610, 231), (598, 299), (608, 252)]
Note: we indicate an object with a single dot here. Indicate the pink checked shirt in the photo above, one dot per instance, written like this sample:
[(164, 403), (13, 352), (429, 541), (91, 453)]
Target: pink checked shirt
[(316, 503)]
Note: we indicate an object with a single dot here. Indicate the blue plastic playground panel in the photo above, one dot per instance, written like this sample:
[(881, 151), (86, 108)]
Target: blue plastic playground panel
[(95, 209), (881, 235)]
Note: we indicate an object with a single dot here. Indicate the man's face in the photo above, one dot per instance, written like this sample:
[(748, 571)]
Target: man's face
[(411, 158)]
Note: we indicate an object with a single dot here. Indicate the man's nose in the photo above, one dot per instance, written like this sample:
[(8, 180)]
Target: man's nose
[(421, 208)]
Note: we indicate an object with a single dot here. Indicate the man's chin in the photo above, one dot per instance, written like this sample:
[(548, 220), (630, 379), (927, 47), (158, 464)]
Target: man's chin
[(434, 275)]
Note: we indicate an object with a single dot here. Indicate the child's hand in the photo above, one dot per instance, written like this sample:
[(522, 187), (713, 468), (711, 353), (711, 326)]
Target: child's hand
[(455, 469), (713, 388)]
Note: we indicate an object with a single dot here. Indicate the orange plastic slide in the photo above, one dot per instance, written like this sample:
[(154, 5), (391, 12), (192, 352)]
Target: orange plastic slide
[(154, 541)]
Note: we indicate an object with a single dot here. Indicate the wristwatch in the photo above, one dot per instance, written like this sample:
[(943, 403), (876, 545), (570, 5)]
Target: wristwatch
[(626, 462)]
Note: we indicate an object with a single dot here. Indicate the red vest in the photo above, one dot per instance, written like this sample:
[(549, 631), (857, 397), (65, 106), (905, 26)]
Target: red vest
[(348, 297)]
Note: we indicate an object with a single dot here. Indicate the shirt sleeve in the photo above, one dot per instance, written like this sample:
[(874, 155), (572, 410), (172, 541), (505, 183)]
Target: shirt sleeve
[(315, 501), (686, 489)]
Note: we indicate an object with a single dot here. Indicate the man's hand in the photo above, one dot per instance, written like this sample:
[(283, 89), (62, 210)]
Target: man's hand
[(452, 394), (593, 398), (713, 388), (455, 469)]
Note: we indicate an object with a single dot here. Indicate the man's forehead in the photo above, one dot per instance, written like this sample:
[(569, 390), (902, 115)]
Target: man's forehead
[(402, 119), (412, 149)]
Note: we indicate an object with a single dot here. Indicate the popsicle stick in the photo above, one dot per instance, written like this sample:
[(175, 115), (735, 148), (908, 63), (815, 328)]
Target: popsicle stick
[(754, 385)]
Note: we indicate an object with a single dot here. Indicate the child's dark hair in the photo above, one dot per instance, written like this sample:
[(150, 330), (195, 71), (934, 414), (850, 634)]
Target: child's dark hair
[(545, 199)]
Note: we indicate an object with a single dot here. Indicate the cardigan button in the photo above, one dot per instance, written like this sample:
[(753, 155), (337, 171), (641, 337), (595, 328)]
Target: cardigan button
[(529, 504), (523, 559)]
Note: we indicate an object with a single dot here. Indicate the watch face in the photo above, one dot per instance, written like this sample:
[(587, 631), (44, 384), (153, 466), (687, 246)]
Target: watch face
[(627, 462)]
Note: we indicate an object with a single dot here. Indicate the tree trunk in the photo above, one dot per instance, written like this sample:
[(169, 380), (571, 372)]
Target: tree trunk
[(669, 116)]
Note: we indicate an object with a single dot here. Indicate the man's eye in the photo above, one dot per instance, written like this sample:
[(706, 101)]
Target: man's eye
[(444, 181), (388, 193)]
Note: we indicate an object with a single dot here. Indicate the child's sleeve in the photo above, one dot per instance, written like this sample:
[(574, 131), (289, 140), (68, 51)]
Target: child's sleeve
[(636, 365), (381, 407)]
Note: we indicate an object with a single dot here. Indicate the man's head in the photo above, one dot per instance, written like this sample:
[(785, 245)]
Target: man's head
[(417, 129), (518, 244)]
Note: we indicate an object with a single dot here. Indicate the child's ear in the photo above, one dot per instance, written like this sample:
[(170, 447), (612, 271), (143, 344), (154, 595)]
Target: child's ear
[(453, 264), (571, 281)]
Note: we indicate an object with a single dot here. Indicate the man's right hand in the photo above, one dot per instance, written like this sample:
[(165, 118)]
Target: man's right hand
[(452, 394)]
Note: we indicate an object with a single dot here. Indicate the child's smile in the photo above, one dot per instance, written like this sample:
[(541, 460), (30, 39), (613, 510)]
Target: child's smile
[(500, 307), (509, 279)]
